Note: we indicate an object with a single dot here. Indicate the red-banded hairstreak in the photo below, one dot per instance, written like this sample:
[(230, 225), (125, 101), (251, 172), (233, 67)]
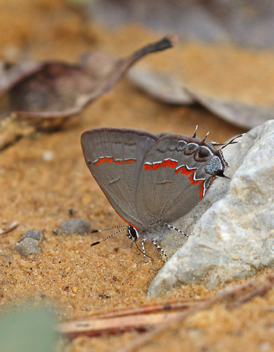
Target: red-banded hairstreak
[(151, 180)]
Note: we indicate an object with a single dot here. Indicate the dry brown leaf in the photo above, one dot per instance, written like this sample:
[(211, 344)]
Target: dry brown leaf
[(48, 93)]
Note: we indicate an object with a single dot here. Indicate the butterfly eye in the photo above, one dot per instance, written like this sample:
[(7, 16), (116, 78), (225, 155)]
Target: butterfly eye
[(190, 148), (203, 154), (132, 233)]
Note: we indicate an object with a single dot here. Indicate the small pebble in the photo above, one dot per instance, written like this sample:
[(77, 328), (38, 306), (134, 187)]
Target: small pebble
[(75, 226), (38, 235), (47, 155), (27, 246)]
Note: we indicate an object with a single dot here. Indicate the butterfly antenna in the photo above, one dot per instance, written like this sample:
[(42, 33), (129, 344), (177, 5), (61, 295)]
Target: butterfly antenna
[(232, 140), (195, 132), (95, 243), (144, 253), (170, 227), (110, 228)]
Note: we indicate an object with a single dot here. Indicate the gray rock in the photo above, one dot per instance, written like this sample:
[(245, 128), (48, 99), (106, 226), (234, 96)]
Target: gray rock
[(234, 236), (75, 226), (27, 246), (38, 235)]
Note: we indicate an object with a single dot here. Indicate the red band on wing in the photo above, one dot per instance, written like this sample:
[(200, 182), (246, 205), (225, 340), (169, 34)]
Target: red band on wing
[(172, 163), (147, 167), (156, 166), (109, 160), (194, 182), (179, 170), (185, 171), (201, 191)]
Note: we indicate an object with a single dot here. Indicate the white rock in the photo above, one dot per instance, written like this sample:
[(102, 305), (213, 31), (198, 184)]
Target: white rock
[(234, 238)]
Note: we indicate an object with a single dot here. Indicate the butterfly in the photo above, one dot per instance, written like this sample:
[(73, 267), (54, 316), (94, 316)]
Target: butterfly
[(151, 180)]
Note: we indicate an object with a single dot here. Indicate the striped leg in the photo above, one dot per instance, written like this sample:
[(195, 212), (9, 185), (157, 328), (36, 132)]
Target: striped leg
[(144, 252), (175, 228), (160, 248)]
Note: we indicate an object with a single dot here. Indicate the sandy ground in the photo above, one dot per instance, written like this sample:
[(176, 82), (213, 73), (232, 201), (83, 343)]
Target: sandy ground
[(70, 275)]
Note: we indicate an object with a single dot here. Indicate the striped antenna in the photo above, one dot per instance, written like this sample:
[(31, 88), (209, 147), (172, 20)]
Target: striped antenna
[(232, 140), (110, 228), (95, 243)]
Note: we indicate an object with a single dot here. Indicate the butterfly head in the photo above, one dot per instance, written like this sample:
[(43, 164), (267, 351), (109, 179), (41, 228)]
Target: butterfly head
[(217, 164), (132, 233)]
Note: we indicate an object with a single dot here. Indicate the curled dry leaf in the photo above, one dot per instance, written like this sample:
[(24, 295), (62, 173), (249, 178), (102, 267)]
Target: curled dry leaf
[(171, 90), (48, 92)]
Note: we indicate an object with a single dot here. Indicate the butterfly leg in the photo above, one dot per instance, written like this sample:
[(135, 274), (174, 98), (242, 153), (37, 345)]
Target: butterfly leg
[(160, 248), (144, 252), (175, 229)]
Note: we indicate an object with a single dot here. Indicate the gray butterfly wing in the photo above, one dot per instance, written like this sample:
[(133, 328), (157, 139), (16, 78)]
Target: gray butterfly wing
[(173, 178), (115, 159)]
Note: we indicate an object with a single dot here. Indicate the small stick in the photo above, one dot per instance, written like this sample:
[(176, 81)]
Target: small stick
[(90, 327), (147, 309), (129, 319), (12, 226)]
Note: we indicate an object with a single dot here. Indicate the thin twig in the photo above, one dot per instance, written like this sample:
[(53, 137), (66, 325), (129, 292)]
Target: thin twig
[(147, 309), (125, 320), (140, 319), (91, 327), (12, 226)]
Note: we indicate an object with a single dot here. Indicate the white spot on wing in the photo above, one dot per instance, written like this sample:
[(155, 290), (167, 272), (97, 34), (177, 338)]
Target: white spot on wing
[(114, 180)]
